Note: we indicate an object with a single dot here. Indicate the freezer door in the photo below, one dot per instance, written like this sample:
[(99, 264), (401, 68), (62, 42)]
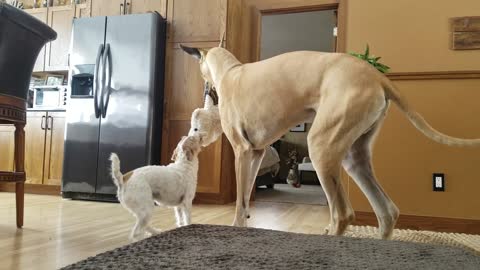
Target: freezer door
[(127, 104), (83, 125)]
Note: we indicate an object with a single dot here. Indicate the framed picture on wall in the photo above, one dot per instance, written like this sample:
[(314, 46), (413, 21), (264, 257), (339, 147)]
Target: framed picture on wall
[(298, 128)]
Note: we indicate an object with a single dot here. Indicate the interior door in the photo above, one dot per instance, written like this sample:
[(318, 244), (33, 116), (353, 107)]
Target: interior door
[(82, 123), (126, 128)]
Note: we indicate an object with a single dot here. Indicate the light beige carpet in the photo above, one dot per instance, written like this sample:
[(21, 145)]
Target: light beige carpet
[(466, 241), (284, 193)]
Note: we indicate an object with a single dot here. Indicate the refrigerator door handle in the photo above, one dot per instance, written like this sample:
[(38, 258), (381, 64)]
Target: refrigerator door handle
[(107, 79), (96, 82)]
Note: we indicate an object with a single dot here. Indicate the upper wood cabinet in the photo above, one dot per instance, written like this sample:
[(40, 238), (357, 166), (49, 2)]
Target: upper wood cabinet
[(82, 10), (41, 14), (60, 19), (123, 7), (54, 143), (193, 21), (142, 6), (54, 55), (107, 7)]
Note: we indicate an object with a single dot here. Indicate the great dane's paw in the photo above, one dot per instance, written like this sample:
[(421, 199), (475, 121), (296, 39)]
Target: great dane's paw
[(240, 223), (153, 231)]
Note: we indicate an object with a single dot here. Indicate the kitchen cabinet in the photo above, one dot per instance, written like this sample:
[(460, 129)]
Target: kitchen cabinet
[(44, 147), (54, 141), (35, 146), (142, 6), (123, 7), (54, 55), (82, 10), (41, 14), (7, 144), (183, 94), (196, 21), (107, 8), (60, 19)]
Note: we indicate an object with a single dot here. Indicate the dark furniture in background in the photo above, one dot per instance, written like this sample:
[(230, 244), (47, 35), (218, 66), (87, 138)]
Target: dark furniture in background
[(21, 39)]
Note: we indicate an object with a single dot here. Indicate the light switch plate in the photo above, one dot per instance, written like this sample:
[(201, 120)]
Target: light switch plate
[(438, 182)]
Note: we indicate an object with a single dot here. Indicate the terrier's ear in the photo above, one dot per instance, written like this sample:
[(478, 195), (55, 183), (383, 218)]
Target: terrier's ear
[(189, 153), (174, 156), (188, 150)]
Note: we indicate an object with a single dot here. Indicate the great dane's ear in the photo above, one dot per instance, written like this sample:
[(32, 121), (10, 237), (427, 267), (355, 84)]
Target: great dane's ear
[(195, 52)]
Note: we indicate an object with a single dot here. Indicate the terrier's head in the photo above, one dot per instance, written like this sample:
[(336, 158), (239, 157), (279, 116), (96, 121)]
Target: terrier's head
[(187, 149)]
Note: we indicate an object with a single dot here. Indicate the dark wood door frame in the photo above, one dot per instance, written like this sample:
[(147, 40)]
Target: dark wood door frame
[(244, 22)]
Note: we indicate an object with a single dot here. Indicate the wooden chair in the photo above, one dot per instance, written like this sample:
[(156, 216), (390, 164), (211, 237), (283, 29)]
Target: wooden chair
[(21, 39)]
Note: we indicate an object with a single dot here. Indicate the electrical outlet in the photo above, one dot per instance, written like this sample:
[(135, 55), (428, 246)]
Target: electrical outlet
[(438, 182)]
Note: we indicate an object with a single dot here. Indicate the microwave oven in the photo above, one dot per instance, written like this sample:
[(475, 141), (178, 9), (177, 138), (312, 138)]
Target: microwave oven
[(49, 97)]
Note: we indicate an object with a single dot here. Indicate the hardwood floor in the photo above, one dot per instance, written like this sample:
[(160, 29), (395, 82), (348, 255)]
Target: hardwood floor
[(58, 232)]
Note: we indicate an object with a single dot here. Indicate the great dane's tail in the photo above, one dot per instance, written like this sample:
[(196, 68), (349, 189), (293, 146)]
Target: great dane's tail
[(419, 122)]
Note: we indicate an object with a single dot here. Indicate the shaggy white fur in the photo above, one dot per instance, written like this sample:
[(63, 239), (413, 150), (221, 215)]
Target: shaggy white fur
[(173, 185)]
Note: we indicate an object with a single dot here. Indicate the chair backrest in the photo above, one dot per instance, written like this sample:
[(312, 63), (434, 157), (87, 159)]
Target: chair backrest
[(22, 36)]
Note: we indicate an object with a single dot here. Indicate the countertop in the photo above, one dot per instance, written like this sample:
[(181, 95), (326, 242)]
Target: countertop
[(45, 110)]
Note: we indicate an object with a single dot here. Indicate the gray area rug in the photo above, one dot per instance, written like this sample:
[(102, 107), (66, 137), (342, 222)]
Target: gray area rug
[(225, 247), (284, 193)]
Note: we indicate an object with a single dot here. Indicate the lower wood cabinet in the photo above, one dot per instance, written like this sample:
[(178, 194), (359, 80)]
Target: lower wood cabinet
[(44, 138)]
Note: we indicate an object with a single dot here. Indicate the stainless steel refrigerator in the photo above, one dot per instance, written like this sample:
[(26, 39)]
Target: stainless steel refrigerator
[(114, 102)]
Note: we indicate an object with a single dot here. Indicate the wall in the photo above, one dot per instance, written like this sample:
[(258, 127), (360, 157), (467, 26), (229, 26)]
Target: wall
[(413, 36)]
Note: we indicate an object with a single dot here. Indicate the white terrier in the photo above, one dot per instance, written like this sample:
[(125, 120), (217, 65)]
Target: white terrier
[(173, 185)]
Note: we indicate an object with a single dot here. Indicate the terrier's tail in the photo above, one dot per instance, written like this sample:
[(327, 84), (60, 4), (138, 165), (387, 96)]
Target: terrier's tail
[(116, 174)]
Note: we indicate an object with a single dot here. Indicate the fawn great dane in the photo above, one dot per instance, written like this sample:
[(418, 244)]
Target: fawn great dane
[(345, 98)]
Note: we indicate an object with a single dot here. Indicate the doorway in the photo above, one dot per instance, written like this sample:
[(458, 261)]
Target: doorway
[(282, 32)]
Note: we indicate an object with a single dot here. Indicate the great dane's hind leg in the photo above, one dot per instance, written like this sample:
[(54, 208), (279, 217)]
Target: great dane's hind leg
[(336, 126), (358, 165), (327, 163), (247, 164)]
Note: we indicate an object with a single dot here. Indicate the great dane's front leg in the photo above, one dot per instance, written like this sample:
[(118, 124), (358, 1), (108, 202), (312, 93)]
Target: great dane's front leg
[(247, 164)]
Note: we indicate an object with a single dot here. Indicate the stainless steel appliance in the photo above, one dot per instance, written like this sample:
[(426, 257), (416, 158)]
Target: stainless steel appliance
[(115, 105), (49, 97)]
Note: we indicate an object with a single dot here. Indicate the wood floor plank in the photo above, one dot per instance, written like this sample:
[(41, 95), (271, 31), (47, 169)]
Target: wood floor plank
[(59, 232)]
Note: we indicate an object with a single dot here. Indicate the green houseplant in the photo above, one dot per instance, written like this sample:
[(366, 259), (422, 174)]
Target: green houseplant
[(372, 60)]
